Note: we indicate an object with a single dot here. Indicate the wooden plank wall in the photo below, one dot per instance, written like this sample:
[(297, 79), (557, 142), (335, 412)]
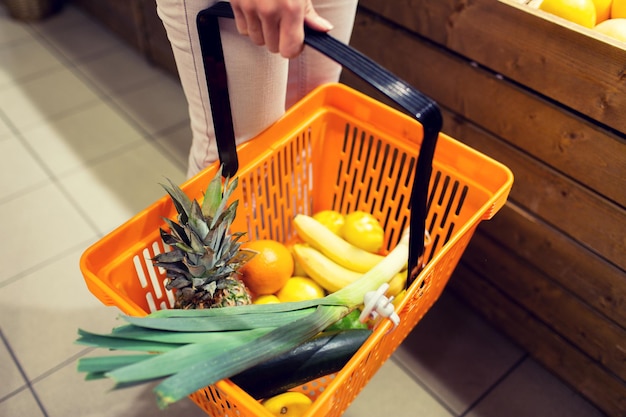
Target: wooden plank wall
[(547, 99)]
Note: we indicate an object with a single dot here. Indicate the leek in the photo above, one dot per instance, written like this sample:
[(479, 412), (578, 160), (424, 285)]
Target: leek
[(230, 363), (107, 363), (191, 349)]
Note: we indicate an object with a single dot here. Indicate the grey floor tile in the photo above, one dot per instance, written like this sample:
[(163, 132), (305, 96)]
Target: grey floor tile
[(76, 39), (5, 130), (41, 312), (12, 31), (77, 139), (113, 190), (24, 60), (21, 161), (42, 99), (456, 354), (22, 404), (532, 391), (120, 70), (12, 378), (155, 107), (66, 393), (393, 392), (41, 225)]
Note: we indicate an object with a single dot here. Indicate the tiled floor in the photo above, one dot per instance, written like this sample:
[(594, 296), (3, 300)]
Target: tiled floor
[(88, 130)]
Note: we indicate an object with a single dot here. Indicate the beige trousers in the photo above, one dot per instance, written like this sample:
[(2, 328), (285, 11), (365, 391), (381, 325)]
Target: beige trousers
[(261, 84)]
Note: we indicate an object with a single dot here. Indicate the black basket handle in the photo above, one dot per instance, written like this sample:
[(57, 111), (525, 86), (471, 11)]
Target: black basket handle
[(422, 108)]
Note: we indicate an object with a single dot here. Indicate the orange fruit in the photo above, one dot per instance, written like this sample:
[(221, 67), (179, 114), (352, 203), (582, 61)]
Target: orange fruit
[(615, 28), (618, 9), (270, 268), (300, 289), (603, 10), (582, 12)]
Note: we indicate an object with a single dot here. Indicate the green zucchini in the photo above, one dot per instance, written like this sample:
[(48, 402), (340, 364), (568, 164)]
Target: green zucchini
[(324, 354)]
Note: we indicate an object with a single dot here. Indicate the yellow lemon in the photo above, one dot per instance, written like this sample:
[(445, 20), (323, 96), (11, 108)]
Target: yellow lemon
[(288, 404), (300, 289), (603, 10), (615, 28), (582, 12), (363, 231), (333, 220), (266, 299), (618, 9)]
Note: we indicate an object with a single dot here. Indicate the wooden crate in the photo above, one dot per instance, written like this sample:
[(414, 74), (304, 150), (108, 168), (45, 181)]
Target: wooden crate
[(548, 99)]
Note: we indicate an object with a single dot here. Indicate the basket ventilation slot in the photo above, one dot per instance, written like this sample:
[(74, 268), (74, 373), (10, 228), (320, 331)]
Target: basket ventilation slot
[(375, 176), (279, 188), (152, 279), (445, 204)]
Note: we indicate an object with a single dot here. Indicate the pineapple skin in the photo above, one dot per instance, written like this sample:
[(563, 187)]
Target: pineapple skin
[(234, 294)]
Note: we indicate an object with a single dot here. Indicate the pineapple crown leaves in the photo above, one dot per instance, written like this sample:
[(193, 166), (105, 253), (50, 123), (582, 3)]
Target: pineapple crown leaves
[(214, 207), (181, 201), (216, 198), (204, 250)]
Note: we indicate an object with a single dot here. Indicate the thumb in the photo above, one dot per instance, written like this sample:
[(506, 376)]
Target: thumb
[(315, 21)]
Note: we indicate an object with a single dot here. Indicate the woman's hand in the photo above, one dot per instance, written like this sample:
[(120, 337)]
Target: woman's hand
[(277, 24)]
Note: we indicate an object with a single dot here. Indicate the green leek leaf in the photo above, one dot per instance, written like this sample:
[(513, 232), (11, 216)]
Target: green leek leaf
[(236, 360), (219, 323)]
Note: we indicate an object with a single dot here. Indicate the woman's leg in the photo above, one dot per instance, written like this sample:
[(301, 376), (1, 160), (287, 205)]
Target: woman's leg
[(311, 69), (257, 79)]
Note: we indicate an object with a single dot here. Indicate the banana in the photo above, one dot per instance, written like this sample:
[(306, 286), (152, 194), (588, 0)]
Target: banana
[(332, 276), (328, 274), (334, 247), (397, 283)]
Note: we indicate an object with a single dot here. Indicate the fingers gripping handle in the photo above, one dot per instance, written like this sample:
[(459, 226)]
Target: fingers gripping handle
[(422, 108)]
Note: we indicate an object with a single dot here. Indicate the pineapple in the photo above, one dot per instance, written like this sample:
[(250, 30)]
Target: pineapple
[(202, 265)]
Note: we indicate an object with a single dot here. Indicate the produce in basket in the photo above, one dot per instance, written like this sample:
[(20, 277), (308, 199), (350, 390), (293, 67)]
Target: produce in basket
[(336, 248), (363, 231), (270, 269), (288, 404), (205, 255), (322, 355), (189, 349), (300, 289), (327, 273), (332, 219)]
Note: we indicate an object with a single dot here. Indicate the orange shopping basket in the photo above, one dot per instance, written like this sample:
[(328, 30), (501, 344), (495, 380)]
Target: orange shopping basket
[(336, 149)]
